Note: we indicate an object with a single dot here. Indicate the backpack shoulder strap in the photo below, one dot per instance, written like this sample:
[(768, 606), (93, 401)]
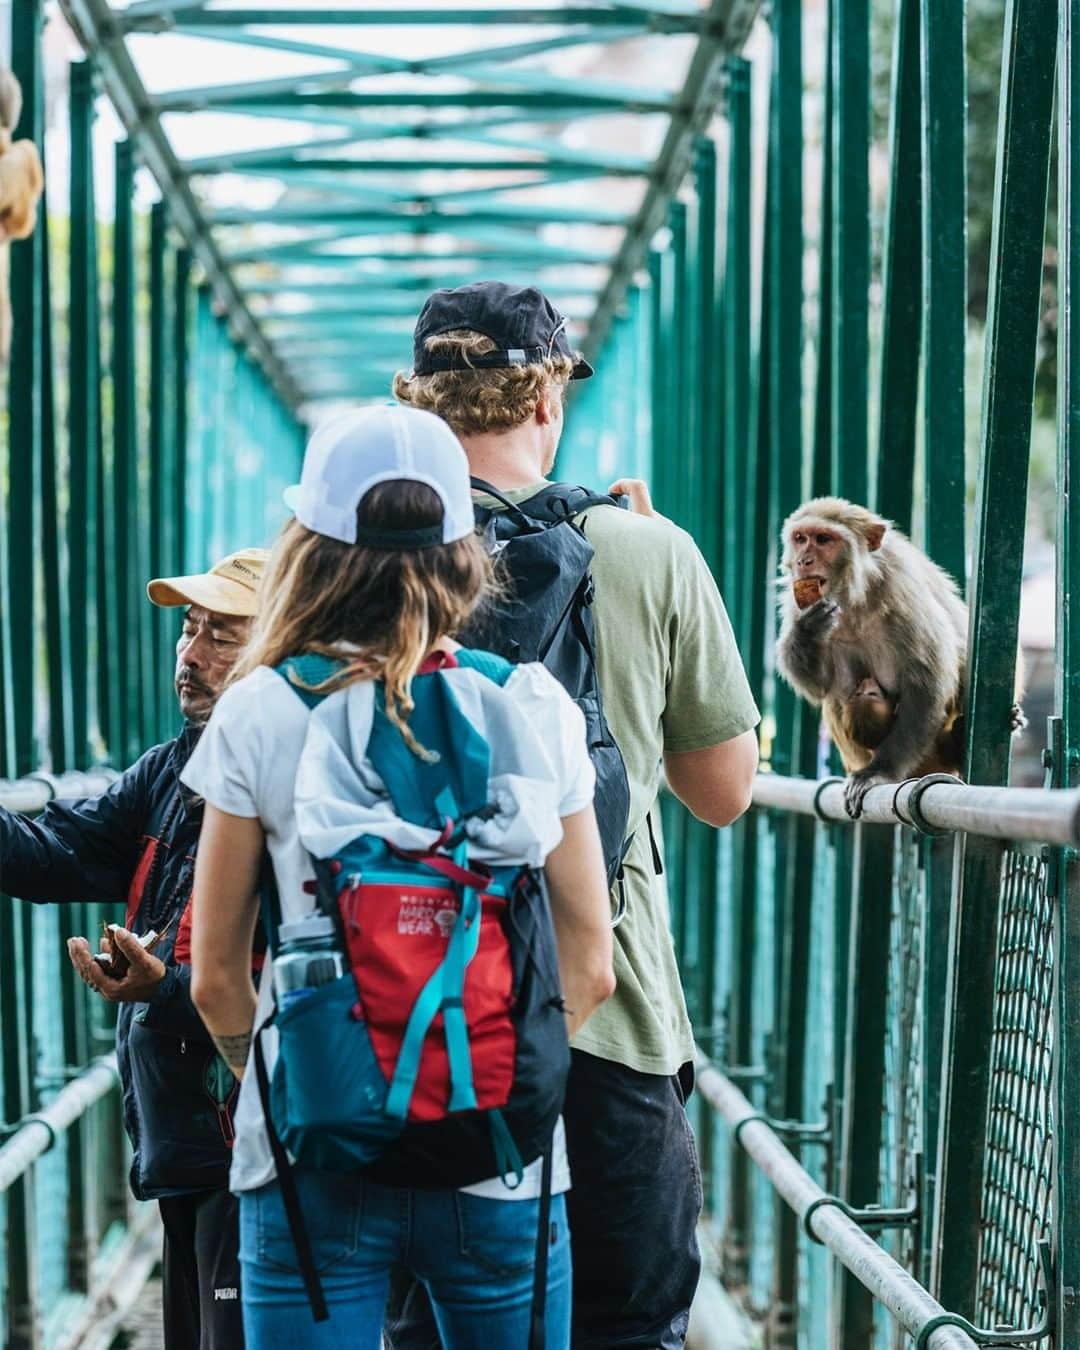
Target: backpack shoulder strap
[(562, 501), (307, 670), (495, 668)]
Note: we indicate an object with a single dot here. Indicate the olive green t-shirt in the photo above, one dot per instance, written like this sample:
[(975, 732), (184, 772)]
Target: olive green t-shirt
[(671, 679)]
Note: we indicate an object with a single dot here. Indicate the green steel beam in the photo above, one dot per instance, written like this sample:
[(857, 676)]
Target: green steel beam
[(903, 269), (95, 25), (84, 413), (724, 25), (506, 258), (944, 239), (283, 165), (53, 569), (25, 419), (19, 618), (333, 88), (181, 344), (1066, 765), (737, 307), (1021, 183), (365, 290), (1067, 768), (851, 245), (662, 18), (162, 470), (795, 745), (126, 745), (607, 160), (558, 102), (430, 221)]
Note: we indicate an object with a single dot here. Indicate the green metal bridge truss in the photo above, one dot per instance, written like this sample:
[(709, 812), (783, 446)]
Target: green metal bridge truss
[(888, 1019)]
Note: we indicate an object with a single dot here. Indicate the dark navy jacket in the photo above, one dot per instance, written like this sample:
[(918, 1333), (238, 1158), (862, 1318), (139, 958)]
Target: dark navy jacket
[(135, 846)]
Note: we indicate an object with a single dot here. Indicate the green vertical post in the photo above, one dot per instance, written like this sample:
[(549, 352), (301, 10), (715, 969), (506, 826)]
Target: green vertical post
[(944, 203), (738, 382), (903, 302), (22, 543), (709, 431), (737, 331), (54, 572), (124, 559), (181, 374), (1023, 161), (84, 414), (866, 990), (708, 396), (161, 469), (796, 723), (850, 243), (1065, 754), (944, 238), (821, 469), (25, 415), (678, 416)]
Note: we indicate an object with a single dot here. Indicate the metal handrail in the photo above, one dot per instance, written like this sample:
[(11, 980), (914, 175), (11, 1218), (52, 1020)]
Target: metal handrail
[(37, 1133), (33, 793), (1036, 815), (872, 1266)]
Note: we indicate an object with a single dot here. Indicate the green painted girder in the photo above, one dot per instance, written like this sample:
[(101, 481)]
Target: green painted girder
[(333, 185), (475, 65), (663, 18), (528, 253), (366, 289), (565, 103), (286, 166), (360, 313), (609, 160), (430, 221)]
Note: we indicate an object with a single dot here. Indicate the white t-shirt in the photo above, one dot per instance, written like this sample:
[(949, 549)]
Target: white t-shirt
[(246, 764)]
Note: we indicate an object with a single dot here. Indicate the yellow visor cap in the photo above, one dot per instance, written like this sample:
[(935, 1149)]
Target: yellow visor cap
[(230, 587)]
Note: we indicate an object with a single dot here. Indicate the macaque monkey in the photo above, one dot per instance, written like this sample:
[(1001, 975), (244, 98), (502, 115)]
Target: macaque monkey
[(21, 184), (875, 634)]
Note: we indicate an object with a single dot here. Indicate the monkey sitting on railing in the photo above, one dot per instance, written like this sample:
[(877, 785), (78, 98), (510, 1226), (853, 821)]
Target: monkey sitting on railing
[(21, 184), (874, 633)]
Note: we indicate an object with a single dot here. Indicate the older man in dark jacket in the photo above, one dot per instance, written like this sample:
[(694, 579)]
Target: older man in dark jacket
[(135, 845)]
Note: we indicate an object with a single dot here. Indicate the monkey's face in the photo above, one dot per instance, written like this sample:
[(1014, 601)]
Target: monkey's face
[(815, 550)]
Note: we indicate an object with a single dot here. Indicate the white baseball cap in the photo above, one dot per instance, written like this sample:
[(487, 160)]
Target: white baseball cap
[(351, 454)]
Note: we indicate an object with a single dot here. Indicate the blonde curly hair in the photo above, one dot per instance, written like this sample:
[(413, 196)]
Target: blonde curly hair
[(475, 401)]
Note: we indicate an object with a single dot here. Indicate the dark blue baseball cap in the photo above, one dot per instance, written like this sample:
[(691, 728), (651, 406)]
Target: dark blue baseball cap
[(521, 321)]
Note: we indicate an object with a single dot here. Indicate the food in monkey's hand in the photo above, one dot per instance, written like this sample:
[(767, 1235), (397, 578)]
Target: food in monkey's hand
[(807, 591), (112, 960)]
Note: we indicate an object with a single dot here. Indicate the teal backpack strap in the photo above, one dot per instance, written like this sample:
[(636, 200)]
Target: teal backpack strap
[(495, 668), (444, 992), (311, 669)]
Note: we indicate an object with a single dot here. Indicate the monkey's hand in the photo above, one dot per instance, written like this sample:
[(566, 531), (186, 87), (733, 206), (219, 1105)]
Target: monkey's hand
[(856, 788), (1017, 719), (819, 619)]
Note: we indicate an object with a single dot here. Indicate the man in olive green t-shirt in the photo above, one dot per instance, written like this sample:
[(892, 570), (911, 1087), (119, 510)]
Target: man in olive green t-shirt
[(494, 362)]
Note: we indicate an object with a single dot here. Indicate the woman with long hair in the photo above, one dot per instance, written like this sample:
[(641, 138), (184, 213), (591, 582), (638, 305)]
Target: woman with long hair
[(378, 570)]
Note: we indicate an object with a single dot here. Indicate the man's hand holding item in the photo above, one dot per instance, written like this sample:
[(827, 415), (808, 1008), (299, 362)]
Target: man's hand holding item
[(142, 976)]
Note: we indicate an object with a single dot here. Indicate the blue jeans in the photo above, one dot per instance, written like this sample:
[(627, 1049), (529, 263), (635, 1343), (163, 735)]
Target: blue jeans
[(474, 1255)]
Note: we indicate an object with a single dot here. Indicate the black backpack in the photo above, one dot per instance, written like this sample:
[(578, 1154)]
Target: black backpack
[(547, 617)]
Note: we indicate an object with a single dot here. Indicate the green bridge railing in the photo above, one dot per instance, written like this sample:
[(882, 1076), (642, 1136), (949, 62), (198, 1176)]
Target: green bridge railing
[(902, 1008)]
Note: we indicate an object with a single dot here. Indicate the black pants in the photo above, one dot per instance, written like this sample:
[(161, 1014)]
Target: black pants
[(633, 1212), (200, 1268)]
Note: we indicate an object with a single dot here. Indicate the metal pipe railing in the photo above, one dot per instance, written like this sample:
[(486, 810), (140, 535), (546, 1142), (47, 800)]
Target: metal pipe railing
[(33, 793), (37, 1133), (886, 1279), (1035, 815)]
